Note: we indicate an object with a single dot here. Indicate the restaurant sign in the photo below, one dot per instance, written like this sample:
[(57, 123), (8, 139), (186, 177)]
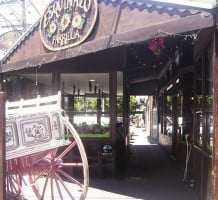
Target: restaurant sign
[(67, 23)]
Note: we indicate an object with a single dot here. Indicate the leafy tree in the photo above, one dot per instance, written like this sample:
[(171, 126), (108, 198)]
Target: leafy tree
[(79, 104), (119, 105), (133, 104), (92, 104), (106, 105), (169, 105)]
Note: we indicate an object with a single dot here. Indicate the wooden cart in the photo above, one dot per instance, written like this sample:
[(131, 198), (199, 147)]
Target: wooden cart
[(39, 144)]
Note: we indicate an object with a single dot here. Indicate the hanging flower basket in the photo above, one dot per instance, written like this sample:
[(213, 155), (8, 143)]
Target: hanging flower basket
[(156, 45)]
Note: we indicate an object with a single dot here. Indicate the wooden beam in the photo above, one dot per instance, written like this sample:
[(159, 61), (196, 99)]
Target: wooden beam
[(214, 178), (56, 84), (2, 146), (143, 79)]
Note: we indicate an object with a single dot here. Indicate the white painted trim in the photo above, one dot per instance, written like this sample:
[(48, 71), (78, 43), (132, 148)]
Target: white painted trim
[(206, 5)]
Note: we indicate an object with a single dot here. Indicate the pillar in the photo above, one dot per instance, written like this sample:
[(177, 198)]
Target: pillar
[(214, 177), (2, 146), (56, 78)]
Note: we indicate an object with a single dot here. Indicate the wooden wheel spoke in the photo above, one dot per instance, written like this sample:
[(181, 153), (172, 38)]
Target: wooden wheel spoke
[(41, 174), (59, 189), (79, 164), (69, 178), (7, 183), (73, 144), (45, 185), (14, 188), (52, 187), (13, 185), (64, 185)]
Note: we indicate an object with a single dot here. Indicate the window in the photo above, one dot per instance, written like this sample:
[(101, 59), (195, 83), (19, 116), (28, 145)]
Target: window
[(203, 102), (86, 101)]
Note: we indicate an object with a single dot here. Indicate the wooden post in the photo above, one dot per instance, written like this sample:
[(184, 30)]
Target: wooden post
[(214, 178), (56, 86), (2, 146), (175, 125), (113, 111)]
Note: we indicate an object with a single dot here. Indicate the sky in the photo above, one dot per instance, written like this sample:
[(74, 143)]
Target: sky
[(13, 14), (206, 4), (12, 11)]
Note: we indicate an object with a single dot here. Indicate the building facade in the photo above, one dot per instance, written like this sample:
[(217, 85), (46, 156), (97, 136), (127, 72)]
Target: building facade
[(101, 52)]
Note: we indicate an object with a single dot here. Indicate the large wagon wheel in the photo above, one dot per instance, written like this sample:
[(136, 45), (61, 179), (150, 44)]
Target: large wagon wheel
[(52, 176), (13, 185)]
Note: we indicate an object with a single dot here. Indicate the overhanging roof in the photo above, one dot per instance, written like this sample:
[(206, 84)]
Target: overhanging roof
[(120, 30)]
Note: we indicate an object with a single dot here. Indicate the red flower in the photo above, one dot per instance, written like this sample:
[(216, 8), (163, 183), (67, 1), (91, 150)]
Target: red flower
[(156, 45)]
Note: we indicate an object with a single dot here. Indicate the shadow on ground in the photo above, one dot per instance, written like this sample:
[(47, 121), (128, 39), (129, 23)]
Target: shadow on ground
[(151, 175)]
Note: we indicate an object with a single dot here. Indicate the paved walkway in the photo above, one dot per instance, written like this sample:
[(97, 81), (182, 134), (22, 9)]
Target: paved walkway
[(151, 175)]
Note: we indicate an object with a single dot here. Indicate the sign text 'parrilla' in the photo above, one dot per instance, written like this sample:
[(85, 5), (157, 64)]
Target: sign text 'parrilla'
[(67, 23)]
